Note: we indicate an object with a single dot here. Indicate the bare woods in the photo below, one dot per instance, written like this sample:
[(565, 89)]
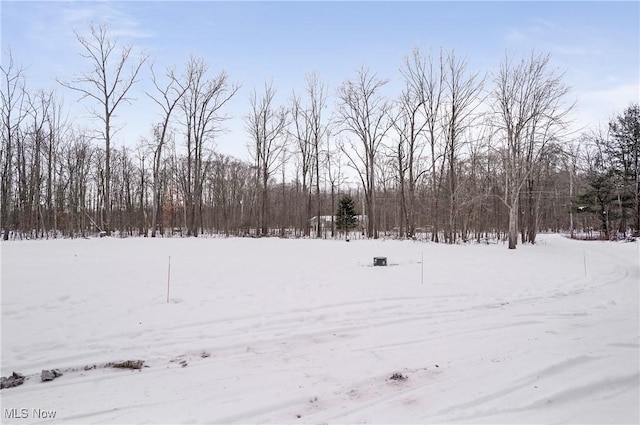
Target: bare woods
[(454, 155)]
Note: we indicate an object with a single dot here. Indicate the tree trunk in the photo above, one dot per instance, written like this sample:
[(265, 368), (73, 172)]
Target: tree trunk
[(513, 224)]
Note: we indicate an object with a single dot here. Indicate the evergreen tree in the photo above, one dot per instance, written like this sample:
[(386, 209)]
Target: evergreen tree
[(623, 150), (613, 189), (346, 215), (599, 199)]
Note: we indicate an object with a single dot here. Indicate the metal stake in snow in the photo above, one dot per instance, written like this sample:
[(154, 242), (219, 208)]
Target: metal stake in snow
[(168, 279)]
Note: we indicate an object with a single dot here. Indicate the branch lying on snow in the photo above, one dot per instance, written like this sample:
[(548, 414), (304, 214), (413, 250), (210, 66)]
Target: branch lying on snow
[(127, 364), (49, 375), (16, 379), (13, 380), (398, 377)]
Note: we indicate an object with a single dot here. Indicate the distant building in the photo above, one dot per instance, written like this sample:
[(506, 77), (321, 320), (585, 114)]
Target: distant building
[(325, 221)]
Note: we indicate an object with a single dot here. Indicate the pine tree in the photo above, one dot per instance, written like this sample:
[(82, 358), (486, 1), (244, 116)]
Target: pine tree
[(613, 189), (623, 150), (346, 215), (604, 200)]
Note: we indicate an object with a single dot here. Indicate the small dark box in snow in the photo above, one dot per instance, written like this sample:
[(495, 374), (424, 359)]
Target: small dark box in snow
[(379, 261)]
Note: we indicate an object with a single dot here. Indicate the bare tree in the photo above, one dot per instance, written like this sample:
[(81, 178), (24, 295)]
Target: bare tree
[(167, 97), (58, 129), (365, 113), (411, 126), (77, 156), (226, 182), (301, 134), (335, 176), (108, 84), (530, 111), (309, 131), (40, 104), (317, 94), (462, 98), (424, 78), (285, 216), (266, 125), (201, 105), (12, 113), (569, 155), (141, 189)]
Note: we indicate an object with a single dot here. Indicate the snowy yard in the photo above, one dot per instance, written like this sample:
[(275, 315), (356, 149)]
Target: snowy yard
[(305, 331)]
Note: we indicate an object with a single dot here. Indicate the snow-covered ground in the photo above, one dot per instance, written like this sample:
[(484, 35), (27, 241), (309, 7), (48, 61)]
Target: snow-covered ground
[(306, 331)]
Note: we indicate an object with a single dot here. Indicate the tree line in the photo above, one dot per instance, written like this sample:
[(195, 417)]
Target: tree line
[(455, 156)]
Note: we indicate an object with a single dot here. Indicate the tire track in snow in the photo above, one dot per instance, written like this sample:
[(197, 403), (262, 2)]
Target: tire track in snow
[(219, 335), (619, 261), (376, 393), (519, 384), (250, 330), (367, 398), (346, 399), (602, 389)]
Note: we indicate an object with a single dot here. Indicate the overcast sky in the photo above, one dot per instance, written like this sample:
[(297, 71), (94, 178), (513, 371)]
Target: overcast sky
[(595, 43)]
